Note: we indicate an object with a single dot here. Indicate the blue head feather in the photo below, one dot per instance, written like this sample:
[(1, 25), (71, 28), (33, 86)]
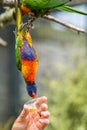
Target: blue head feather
[(31, 89)]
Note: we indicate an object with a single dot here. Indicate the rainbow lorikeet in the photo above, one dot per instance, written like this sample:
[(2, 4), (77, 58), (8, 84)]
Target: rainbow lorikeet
[(26, 57), (41, 7)]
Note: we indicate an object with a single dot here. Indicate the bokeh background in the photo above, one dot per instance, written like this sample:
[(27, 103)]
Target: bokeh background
[(61, 76)]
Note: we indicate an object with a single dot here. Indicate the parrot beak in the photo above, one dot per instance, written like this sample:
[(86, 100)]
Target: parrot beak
[(33, 95)]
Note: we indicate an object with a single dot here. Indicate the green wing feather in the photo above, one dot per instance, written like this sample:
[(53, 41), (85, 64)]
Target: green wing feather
[(70, 9), (18, 40), (17, 54), (43, 4)]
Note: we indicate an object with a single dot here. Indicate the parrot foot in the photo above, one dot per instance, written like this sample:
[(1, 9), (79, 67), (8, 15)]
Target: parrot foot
[(29, 23), (27, 26), (32, 17)]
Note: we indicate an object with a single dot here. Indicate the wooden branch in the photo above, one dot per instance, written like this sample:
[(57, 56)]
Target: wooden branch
[(8, 17), (70, 26)]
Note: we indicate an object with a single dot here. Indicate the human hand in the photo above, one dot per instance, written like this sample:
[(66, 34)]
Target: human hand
[(35, 121)]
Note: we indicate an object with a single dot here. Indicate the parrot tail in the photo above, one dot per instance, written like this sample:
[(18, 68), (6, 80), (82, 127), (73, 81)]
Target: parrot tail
[(31, 89), (70, 9)]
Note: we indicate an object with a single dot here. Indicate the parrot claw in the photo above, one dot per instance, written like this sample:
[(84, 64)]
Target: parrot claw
[(30, 24), (31, 16), (31, 19), (27, 25)]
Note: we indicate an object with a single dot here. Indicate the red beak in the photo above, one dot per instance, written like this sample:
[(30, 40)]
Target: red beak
[(33, 95)]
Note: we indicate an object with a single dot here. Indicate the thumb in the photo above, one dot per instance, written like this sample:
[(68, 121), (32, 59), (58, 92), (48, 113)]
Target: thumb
[(24, 113)]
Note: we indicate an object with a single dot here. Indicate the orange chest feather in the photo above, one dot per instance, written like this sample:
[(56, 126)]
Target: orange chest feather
[(29, 69)]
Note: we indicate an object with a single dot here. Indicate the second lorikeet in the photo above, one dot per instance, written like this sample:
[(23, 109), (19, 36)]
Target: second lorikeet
[(41, 7), (26, 57)]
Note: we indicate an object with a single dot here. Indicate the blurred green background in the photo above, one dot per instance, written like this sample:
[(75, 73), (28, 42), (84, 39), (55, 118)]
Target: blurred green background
[(62, 74)]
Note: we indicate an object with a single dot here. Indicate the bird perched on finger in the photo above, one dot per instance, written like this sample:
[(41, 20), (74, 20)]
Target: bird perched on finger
[(26, 56)]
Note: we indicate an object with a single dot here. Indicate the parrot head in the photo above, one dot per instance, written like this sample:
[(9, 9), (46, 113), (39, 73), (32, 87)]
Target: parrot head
[(32, 89)]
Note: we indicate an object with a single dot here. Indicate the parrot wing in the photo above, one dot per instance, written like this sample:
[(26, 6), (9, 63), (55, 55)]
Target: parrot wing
[(17, 54), (43, 4), (70, 9), (18, 61), (18, 39)]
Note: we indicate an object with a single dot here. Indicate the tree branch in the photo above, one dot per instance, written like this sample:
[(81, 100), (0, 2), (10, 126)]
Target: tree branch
[(70, 26)]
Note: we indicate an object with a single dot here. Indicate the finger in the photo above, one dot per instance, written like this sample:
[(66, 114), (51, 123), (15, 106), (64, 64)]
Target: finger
[(36, 116), (40, 101), (43, 107), (42, 123), (24, 113), (45, 114), (42, 113)]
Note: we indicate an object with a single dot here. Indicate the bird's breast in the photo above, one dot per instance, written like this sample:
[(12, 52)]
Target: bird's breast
[(29, 69)]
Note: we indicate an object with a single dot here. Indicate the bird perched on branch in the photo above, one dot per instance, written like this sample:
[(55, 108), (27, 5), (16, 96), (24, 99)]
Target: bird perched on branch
[(26, 56), (42, 7)]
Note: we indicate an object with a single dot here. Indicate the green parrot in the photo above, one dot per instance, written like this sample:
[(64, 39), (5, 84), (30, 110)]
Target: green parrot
[(42, 7)]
